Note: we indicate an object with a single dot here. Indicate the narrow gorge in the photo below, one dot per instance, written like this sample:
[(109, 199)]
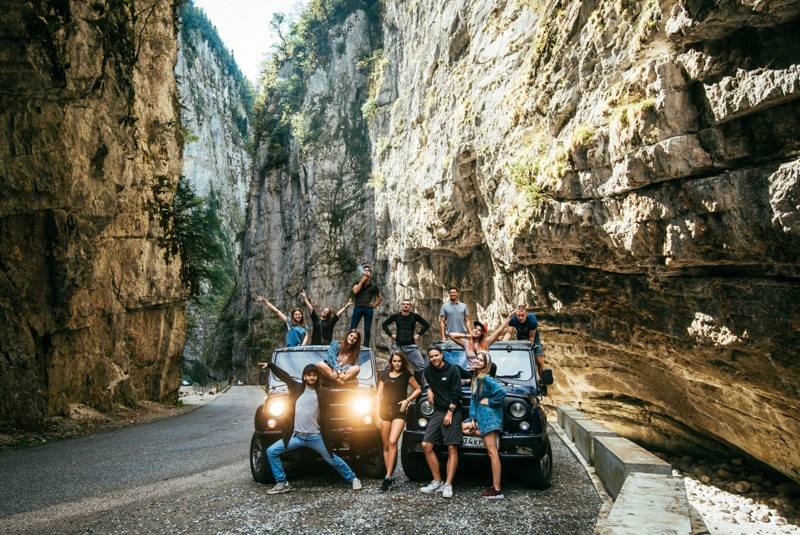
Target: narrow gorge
[(629, 170)]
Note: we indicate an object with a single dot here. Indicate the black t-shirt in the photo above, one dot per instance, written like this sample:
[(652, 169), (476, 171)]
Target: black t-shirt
[(395, 389), (405, 327), (322, 333)]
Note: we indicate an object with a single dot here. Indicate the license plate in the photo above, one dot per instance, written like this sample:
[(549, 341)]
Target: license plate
[(473, 442)]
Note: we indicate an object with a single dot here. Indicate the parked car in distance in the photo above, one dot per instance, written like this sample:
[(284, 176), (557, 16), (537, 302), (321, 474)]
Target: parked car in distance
[(239, 383), (186, 382), (524, 442), (352, 424)]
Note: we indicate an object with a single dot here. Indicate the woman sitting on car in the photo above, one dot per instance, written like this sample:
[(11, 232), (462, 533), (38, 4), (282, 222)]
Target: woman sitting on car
[(486, 417), (339, 364)]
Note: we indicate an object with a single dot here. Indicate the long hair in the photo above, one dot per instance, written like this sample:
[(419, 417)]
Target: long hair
[(351, 351), (403, 358), (479, 374), (479, 344), (302, 317)]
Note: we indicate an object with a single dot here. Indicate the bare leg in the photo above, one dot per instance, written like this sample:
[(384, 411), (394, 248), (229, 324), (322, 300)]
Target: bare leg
[(452, 463), (394, 438), (540, 364), (490, 440), (433, 462), (325, 370), (386, 427), (351, 372)]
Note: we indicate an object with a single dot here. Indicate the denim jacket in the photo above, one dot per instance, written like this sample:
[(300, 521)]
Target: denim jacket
[(489, 417)]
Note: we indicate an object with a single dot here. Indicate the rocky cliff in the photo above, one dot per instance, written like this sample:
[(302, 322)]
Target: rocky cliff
[(216, 104), (91, 300), (309, 217), (627, 169)]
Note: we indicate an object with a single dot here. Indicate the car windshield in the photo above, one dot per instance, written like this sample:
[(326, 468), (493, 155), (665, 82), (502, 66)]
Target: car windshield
[(293, 362), (511, 363)]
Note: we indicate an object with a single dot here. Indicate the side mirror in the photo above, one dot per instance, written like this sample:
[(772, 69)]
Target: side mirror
[(547, 377), (263, 377)]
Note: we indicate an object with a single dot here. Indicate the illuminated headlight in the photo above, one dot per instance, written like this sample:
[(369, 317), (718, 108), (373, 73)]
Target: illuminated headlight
[(422, 422), (277, 407), (272, 423), (517, 409), (426, 408), (524, 425), (367, 420), (362, 405)]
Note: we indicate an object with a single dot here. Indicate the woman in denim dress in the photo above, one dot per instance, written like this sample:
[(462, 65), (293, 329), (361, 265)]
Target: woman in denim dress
[(486, 417)]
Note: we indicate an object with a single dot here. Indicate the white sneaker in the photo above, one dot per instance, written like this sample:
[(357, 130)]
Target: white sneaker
[(447, 490), (280, 487), (432, 487), (356, 484)]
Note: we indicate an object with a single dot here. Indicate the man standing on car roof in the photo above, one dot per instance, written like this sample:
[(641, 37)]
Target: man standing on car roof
[(453, 317), (527, 328), (444, 426), (366, 296), (301, 426), (405, 336)]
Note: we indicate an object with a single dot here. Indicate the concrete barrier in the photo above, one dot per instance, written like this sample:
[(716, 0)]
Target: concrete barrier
[(617, 457), (583, 433), (648, 498), (649, 503)]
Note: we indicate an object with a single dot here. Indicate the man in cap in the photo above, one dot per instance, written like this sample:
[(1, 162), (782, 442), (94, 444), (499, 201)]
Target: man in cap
[(301, 426)]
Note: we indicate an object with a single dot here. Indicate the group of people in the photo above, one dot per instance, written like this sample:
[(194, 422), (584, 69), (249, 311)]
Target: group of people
[(398, 386)]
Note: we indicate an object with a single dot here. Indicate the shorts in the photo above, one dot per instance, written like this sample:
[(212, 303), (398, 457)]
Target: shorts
[(392, 413), (538, 351), (440, 434)]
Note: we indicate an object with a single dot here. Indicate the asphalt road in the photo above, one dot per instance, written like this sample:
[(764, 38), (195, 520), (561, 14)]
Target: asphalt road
[(190, 474)]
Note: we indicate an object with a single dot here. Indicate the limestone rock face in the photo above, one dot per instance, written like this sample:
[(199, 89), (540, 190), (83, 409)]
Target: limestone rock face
[(627, 169), (215, 159), (309, 220), (91, 301)]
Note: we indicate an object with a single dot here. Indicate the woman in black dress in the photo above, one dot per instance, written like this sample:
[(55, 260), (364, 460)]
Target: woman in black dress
[(394, 399)]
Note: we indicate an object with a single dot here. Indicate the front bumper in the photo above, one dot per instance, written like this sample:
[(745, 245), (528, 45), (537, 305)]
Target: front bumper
[(513, 447), (346, 443)]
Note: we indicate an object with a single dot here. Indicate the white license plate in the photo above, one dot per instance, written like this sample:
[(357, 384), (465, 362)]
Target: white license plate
[(473, 442)]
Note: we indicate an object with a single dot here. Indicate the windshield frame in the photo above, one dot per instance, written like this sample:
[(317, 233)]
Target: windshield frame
[(293, 360), (455, 354)]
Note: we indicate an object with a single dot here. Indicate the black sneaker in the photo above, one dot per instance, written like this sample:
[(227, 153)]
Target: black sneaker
[(387, 484)]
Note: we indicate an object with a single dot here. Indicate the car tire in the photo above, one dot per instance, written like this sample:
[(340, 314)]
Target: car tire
[(373, 466), (414, 465), (538, 473), (259, 464)]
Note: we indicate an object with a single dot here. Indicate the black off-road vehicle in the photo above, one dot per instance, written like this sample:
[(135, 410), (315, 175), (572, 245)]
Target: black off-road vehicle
[(524, 441), (351, 424)]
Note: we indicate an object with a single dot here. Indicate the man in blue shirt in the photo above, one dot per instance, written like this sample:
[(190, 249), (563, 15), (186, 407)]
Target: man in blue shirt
[(527, 328)]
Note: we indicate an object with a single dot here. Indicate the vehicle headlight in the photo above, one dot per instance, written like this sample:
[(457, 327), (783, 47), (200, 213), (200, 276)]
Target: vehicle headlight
[(362, 405), (426, 407), (524, 426), (517, 409), (277, 407), (422, 422)]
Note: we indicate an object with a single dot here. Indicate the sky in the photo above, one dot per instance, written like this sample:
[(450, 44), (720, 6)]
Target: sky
[(243, 25)]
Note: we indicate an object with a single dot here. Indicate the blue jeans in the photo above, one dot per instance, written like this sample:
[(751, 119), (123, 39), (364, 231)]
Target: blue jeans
[(314, 442), (366, 313)]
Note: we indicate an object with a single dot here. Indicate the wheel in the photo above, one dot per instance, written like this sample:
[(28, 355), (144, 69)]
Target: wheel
[(259, 464), (260, 419), (538, 473), (415, 467), (373, 465)]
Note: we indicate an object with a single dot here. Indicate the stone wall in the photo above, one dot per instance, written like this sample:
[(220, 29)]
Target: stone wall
[(91, 302), (627, 169)]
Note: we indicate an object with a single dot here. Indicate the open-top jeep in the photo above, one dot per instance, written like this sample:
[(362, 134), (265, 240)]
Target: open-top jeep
[(351, 425), (524, 440)]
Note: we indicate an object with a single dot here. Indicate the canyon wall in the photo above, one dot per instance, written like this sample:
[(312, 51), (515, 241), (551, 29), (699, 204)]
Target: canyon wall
[(216, 104), (309, 217), (629, 170), (91, 300)]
